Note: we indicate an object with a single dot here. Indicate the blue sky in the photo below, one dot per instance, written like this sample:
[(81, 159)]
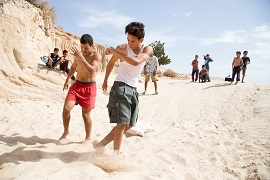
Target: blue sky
[(187, 27)]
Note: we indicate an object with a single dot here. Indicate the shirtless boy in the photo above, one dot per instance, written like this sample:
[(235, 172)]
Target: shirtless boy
[(83, 91), (236, 65)]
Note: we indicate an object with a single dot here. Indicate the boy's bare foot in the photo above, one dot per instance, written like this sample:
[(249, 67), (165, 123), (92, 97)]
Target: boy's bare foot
[(86, 141), (63, 137), (96, 144), (99, 149)]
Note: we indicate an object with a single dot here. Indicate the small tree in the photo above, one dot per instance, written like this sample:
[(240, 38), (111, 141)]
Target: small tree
[(158, 48)]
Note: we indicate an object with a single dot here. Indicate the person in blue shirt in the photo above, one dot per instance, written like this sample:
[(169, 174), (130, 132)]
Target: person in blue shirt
[(207, 59)]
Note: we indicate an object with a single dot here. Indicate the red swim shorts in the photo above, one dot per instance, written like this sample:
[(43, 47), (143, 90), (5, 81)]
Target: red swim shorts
[(83, 93)]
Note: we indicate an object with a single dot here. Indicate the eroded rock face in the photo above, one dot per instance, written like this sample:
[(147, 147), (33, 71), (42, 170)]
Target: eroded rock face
[(25, 36)]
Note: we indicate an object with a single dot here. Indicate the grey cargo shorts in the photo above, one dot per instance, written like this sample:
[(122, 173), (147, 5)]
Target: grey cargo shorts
[(123, 104)]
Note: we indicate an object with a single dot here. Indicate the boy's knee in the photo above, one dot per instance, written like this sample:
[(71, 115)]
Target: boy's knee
[(86, 116)]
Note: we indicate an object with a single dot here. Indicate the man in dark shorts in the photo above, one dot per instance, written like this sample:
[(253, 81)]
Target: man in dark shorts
[(195, 68), (236, 65), (83, 91), (123, 100), (53, 59), (246, 61)]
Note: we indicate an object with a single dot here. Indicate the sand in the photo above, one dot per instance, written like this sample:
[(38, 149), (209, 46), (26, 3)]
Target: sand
[(201, 131)]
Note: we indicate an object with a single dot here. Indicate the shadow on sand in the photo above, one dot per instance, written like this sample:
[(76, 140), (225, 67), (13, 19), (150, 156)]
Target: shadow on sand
[(44, 67), (218, 85), (30, 153)]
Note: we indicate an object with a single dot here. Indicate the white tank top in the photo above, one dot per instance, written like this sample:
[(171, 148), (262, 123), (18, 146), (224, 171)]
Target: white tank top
[(128, 73)]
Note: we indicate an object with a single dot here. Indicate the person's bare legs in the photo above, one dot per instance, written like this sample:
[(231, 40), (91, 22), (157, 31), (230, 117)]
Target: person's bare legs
[(68, 106), (87, 124), (243, 77), (155, 84), (145, 85), (50, 63), (116, 135), (56, 64)]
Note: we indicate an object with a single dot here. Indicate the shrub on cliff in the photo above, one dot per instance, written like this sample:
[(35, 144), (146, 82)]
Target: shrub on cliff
[(48, 10)]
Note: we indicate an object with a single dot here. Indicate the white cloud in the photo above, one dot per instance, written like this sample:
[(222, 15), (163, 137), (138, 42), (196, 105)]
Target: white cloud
[(262, 31), (261, 51), (96, 19), (188, 13), (166, 36), (231, 36)]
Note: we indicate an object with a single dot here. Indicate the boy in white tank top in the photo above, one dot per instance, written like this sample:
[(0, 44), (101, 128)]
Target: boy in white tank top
[(123, 100)]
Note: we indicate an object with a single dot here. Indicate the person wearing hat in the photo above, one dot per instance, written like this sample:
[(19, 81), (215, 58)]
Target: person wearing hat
[(207, 59)]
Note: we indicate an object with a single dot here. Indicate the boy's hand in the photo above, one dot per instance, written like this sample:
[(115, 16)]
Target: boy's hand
[(76, 52), (65, 86), (104, 86)]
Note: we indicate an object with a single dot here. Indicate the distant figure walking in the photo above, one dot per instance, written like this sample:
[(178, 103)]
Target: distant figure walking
[(195, 68), (246, 61), (207, 60), (150, 70), (236, 65)]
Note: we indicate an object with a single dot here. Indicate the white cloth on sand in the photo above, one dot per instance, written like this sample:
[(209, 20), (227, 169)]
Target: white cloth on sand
[(140, 128)]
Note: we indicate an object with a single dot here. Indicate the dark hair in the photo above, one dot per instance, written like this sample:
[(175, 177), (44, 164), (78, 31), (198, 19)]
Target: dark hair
[(238, 52), (196, 56), (245, 52), (135, 29), (55, 49), (65, 51), (203, 65), (87, 38)]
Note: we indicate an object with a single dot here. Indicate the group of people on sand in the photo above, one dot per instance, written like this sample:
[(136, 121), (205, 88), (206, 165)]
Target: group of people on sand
[(239, 64), (202, 75), (54, 60), (123, 99)]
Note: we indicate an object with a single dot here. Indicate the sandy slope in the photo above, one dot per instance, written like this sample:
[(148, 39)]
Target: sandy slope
[(202, 131)]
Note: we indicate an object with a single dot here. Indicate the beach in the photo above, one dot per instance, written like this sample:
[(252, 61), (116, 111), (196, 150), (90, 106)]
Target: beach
[(201, 131)]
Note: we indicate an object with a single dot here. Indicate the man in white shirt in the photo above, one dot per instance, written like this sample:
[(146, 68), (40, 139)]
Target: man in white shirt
[(150, 70)]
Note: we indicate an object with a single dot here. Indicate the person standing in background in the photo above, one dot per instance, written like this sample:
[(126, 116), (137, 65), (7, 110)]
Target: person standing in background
[(150, 70), (207, 60), (236, 65), (195, 68), (246, 61)]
